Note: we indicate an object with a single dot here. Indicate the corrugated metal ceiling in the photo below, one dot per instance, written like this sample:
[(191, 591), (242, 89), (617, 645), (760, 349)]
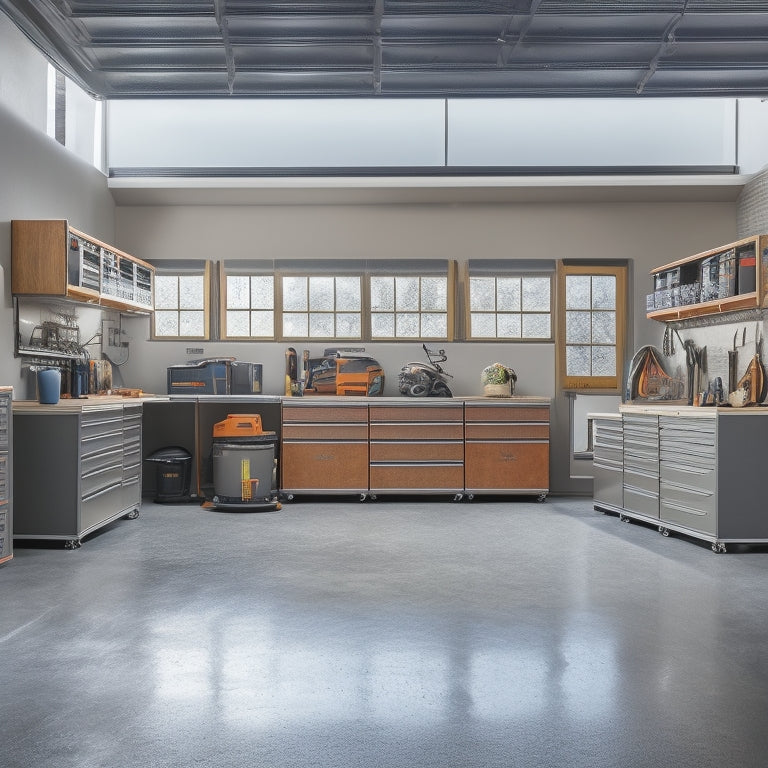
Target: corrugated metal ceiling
[(441, 48)]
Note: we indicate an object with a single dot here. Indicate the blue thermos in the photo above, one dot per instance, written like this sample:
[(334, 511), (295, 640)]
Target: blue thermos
[(48, 385)]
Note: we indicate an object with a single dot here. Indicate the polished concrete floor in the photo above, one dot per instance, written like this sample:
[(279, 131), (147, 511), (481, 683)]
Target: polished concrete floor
[(394, 633)]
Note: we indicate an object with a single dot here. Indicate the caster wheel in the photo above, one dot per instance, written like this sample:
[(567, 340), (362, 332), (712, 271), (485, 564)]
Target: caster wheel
[(719, 548), (623, 518), (372, 497), (663, 531), (132, 515), (541, 497), (72, 544)]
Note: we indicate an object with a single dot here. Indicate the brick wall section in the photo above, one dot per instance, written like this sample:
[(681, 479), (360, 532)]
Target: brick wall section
[(752, 208)]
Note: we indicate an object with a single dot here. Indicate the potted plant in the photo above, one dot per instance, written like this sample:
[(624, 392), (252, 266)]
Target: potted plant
[(498, 380)]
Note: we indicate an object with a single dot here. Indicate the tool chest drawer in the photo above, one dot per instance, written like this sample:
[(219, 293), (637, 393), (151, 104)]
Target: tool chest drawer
[(506, 431), (421, 412), (641, 501), (701, 499), (420, 451), (98, 423), (324, 414), (702, 520), (331, 432), (499, 413), (417, 478), (5, 417), (5, 477), (417, 431)]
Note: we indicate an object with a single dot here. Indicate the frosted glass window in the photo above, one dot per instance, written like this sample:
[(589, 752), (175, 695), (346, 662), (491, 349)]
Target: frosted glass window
[(593, 324), (594, 307), (507, 307), (409, 306), (180, 306), (322, 306), (250, 306)]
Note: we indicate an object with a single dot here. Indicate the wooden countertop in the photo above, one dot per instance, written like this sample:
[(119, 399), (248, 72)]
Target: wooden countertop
[(705, 412)]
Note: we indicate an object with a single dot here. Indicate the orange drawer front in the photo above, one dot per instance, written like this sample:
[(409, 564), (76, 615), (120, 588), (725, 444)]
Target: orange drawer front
[(324, 466), (417, 431), (325, 413), (416, 413), (506, 466), (505, 413), (325, 432), (417, 452), (507, 431), (417, 477)]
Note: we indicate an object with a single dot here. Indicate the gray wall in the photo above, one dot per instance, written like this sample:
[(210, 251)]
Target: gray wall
[(646, 234)]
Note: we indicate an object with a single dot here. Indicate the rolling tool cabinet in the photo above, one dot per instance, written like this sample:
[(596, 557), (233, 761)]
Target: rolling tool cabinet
[(404, 445), (83, 471), (608, 461), (506, 448), (6, 472), (324, 447), (695, 471), (417, 448), (641, 464)]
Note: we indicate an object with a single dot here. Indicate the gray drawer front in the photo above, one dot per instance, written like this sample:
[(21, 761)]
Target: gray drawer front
[(94, 446), (642, 480), (100, 506), (5, 421), (696, 428), (689, 475), (609, 486), (101, 423), (647, 465), (608, 455), (611, 463), (5, 478), (696, 519), (686, 496), (102, 478), (641, 502), (680, 448)]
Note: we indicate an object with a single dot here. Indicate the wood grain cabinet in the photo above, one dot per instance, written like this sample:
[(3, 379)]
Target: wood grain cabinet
[(506, 448), (417, 448), (82, 469), (6, 473), (324, 448), (724, 279), (50, 258)]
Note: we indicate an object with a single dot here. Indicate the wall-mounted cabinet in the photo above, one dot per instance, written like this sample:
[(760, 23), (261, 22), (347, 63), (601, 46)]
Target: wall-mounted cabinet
[(51, 259), (724, 279)]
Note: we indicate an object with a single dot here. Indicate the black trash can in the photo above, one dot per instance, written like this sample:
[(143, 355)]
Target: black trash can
[(174, 471)]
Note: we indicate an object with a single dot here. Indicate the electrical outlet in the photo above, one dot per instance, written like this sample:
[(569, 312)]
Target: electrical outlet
[(195, 350)]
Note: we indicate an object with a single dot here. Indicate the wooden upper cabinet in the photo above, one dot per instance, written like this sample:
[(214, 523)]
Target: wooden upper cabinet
[(723, 279), (50, 258)]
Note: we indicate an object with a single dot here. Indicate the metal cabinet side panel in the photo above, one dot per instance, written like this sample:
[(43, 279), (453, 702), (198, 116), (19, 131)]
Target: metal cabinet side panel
[(741, 490), (46, 483)]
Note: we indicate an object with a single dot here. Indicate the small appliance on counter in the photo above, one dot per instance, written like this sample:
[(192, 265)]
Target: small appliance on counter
[(244, 465), (215, 376)]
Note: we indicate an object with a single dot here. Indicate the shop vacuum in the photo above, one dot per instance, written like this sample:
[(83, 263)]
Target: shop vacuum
[(244, 465)]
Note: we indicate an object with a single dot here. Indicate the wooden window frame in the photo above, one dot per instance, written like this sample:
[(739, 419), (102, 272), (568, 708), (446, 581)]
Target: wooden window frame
[(607, 384), (246, 269), (169, 267), (415, 269), (510, 268)]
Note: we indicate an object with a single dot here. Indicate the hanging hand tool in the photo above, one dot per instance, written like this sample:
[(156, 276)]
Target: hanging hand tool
[(690, 364)]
